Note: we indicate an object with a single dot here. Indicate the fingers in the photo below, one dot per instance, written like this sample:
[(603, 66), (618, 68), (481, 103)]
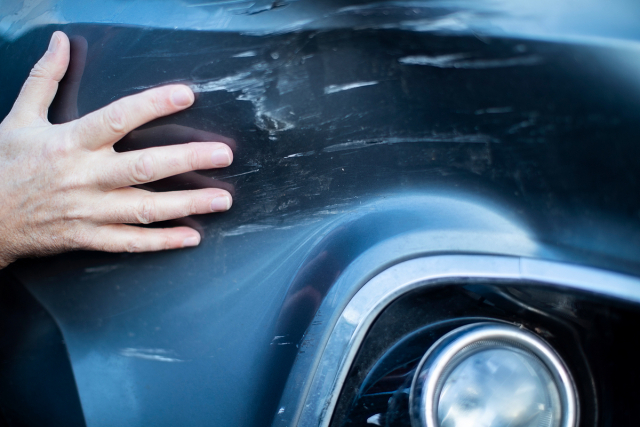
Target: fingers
[(41, 86), (127, 238), (139, 167), (169, 135), (106, 126), (189, 181), (135, 206)]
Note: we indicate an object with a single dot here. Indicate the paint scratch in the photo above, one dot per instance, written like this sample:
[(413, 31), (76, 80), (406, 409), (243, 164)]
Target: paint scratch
[(458, 61), (155, 354), (252, 85), (474, 138), (249, 228), (247, 54), (238, 174), (232, 83), (442, 61), (306, 153), (339, 88)]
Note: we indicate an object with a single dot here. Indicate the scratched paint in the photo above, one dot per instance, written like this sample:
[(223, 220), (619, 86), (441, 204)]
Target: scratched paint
[(532, 139), (348, 86), (153, 354), (460, 61)]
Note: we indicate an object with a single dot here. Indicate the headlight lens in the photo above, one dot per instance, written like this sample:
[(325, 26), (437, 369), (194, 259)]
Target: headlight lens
[(499, 387), (492, 375)]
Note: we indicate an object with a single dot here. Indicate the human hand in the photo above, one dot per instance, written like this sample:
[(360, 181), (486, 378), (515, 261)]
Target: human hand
[(64, 187), (64, 108)]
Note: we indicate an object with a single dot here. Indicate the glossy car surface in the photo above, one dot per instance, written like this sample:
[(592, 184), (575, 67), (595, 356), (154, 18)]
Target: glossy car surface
[(366, 135)]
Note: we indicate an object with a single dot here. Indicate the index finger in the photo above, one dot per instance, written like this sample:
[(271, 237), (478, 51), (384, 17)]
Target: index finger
[(108, 125)]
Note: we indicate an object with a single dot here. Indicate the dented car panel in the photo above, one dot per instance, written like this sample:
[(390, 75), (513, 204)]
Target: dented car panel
[(364, 135)]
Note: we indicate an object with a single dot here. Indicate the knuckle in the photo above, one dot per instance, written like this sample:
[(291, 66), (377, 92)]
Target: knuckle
[(167, 243), (192, 207), (62, 147), (82, 240), (133, 245), (39, 72), (116, 119), (158, 105), (192, 158), (145, 211), (75, 213), (142, 169)]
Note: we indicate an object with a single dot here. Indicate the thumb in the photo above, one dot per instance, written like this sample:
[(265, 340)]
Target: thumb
[(40, 88)]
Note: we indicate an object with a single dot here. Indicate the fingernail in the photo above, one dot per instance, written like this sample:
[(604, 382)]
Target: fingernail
[(220, 157), (221, 203), (53, 43), (181, 97), (191, 241)]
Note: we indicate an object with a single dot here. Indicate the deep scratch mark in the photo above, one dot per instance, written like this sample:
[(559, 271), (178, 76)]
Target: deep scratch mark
[(252, 85), (339, 88), (442, 61), (474, 138), (155, 354), (248, 228), (247, 54), (457, 61), (232, 83), (306, 153), (238, 174)]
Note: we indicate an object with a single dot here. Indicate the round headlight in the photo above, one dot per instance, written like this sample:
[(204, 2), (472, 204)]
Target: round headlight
[(492, 375)]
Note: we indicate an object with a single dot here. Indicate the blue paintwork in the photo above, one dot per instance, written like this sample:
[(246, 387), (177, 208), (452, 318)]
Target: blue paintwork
[(361, 140)]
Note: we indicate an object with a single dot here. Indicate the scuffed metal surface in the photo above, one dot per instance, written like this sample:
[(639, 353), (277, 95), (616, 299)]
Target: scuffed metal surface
[(364, 133)]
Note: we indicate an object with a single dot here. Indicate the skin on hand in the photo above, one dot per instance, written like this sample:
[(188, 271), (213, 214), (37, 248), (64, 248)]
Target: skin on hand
[(64, 187)]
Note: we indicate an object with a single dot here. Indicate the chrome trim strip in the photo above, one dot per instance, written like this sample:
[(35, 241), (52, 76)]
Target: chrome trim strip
[(352, 325)]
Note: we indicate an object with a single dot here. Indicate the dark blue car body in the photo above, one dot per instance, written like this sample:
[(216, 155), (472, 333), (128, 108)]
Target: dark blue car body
[(366, 135)]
